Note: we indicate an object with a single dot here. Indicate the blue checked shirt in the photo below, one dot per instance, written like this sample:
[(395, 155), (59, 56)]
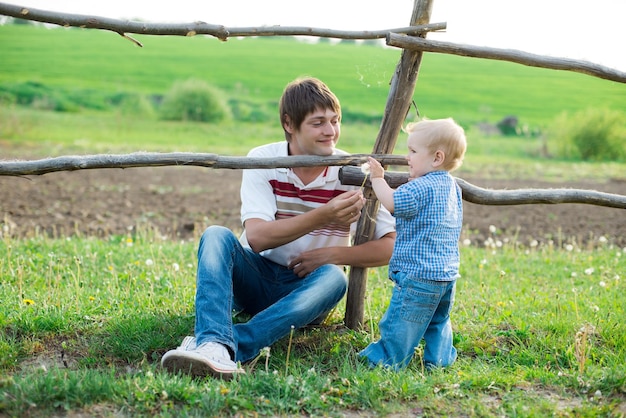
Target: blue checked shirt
[(429, 217)]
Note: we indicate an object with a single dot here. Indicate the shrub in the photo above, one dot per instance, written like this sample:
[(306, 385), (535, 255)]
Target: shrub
[(7, 98), (194, 100), (132, 103), (591, 135), (37, 95), (246, 111)]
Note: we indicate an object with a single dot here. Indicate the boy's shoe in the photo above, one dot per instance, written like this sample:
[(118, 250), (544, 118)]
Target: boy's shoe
[(207, 359)]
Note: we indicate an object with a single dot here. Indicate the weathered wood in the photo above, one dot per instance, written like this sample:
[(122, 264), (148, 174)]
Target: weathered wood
[(474, 194), (398, 104), (416, 43), (151, 159), (196, 28)]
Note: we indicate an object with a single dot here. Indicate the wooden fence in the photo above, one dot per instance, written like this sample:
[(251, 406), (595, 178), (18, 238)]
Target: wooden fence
[(411, 39)]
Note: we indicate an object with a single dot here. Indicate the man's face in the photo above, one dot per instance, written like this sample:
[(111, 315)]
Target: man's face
[(318, 134)]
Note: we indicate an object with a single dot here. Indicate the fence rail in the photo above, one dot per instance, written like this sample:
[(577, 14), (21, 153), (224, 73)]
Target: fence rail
[(350, 173)]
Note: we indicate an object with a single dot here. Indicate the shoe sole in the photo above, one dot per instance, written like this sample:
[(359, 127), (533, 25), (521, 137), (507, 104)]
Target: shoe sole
[(194, 367)]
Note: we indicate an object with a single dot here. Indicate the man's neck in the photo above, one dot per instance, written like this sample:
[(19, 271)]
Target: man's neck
[(305, 174), (308, 174)]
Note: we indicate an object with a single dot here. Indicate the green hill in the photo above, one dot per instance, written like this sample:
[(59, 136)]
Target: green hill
[(95, 62)]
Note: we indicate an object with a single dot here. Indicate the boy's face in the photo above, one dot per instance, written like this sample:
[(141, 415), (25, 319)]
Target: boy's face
[(420, 159), (318, 134)]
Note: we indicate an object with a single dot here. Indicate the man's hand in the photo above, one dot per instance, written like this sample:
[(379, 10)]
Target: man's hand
[(341, 210), (310, 260), (346, 208)]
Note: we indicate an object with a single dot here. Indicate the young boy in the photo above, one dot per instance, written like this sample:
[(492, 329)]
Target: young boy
[(425, 262)]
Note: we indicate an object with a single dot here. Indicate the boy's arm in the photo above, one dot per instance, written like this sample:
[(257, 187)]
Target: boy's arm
[(384, 193)]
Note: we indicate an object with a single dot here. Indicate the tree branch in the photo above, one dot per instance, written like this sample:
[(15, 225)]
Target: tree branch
[(513, 55), (474, 194), (148, 159), (196, 28), (350, 173)]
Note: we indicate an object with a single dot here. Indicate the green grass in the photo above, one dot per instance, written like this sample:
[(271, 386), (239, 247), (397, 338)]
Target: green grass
[(29, 133), (471, 90), (84, 322)]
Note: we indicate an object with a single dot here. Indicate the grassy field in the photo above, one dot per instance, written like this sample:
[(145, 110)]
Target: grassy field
[(471, 90), (84, 321)]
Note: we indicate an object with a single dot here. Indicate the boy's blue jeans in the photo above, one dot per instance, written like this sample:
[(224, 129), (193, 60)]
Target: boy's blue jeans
[(230, 276), (418, 309)]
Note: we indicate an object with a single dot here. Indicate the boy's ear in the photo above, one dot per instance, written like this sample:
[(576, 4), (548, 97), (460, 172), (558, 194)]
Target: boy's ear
[(439, 158)]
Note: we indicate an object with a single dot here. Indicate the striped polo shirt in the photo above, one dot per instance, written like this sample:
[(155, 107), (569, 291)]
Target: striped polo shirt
[(277, 193)]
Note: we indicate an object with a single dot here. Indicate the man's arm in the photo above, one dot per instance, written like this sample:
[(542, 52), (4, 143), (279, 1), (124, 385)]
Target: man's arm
[(343, 209), (373, 253)]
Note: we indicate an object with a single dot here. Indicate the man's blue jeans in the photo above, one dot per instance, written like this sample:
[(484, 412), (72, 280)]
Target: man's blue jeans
[(418, 309), (230, 275)]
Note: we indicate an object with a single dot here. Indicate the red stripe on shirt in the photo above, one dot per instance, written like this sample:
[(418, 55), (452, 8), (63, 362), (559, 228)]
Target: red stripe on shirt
[(316, 195)]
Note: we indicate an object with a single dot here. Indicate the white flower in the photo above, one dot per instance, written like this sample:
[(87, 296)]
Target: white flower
[(569, 247), (534, 243), (175, 266), (589, 271), (467, 242), (574, 274), (492, 229), (603, 239), (602, 284), (365, 168), (149, 262)]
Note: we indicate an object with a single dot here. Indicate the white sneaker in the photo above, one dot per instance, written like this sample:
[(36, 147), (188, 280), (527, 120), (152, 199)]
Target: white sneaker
[(209, 358), (189, 343)]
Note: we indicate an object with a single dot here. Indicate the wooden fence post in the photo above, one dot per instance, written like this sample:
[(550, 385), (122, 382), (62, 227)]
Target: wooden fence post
[(398, 105)]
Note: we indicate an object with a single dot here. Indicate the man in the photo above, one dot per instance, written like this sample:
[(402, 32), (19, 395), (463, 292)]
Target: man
[(285, 270)]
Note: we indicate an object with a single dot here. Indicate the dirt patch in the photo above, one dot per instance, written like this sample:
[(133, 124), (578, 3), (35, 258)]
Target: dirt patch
[(179, 202)]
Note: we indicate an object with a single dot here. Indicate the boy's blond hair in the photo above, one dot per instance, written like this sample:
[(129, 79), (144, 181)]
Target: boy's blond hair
[(442, 134)]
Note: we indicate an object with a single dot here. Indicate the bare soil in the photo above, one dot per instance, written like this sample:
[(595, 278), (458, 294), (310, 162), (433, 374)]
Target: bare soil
[(179, 202)]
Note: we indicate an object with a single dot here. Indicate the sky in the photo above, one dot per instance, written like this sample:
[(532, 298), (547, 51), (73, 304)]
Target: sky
[(579, 29)]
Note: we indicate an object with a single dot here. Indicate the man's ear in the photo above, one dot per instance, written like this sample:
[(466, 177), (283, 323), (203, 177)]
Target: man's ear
[(439, 158), (287, 125)]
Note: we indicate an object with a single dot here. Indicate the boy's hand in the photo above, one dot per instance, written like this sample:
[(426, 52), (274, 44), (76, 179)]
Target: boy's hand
[(376, 170)]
